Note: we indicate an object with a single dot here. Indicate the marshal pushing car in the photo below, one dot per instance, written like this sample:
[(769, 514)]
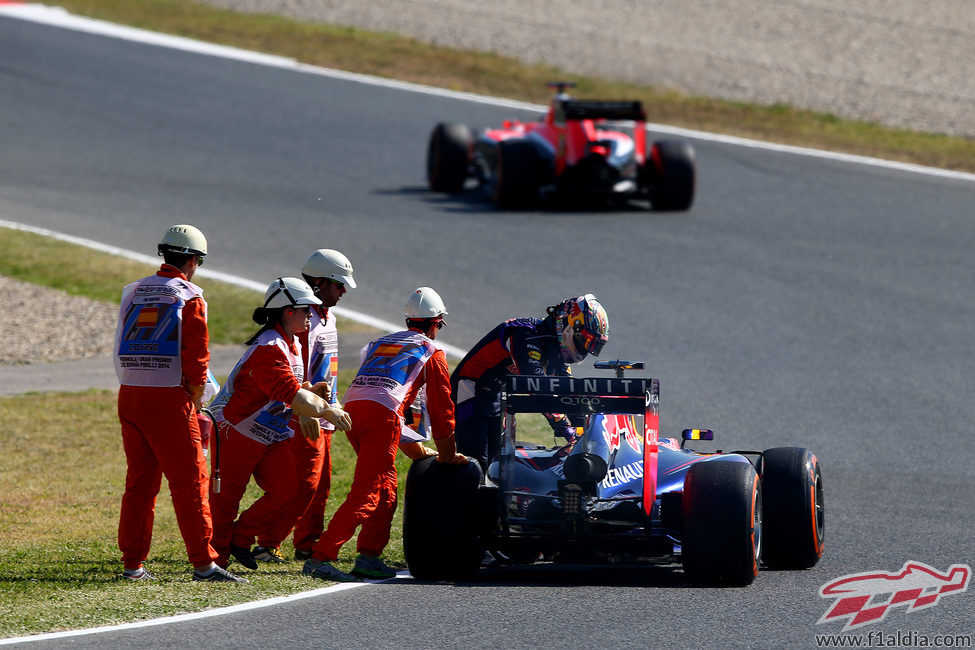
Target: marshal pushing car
[(589, 149), (619, 494)]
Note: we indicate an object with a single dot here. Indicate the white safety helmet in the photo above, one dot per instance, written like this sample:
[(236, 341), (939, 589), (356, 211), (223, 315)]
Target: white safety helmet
[(330, 264), (183, 238), (289, 292), (424, 303)]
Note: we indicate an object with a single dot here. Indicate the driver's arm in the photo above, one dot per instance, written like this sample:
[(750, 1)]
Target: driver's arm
[(529, 359)]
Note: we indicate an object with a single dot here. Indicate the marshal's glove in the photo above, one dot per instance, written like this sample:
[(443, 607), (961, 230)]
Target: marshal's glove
[(196, 395), (308, 403), (321, 389), (310, 427), (339, 418)]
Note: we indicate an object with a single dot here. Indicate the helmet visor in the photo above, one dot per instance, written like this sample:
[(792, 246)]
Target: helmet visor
[(591, 343)]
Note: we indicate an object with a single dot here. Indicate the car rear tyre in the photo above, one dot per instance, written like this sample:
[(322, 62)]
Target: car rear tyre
[(722, 523), (671, 175), (448, 157), (516, 174), (794, 508), (439, 520)]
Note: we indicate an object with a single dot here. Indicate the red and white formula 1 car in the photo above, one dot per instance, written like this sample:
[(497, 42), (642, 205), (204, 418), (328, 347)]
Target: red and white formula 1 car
[(579, 148)]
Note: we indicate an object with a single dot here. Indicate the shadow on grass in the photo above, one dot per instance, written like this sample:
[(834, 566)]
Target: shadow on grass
[(78, 570)]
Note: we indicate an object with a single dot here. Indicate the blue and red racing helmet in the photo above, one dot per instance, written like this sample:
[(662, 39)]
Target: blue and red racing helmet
[(582, 327)]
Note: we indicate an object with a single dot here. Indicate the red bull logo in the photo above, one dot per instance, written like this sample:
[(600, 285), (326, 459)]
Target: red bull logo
[(612, 437), (617, 428), (865, 598)]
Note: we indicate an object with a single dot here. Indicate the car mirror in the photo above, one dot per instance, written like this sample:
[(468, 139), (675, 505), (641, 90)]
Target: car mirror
[(697, 434)]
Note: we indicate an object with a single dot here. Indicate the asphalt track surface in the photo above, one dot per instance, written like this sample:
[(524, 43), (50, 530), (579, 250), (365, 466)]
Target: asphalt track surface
[(802, 301)]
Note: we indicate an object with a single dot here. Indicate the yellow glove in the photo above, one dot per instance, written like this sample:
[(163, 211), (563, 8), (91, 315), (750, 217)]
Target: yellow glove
[(196, 395), (447, 452), (416, 450), (339, 418), (310, 427), (308, 403), (321, 389)]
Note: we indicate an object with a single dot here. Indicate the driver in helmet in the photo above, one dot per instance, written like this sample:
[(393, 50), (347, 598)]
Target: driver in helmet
[(571, 330)]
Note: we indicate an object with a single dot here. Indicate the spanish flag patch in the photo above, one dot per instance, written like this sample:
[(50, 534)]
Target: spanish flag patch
[(148, 317), (387, 350)]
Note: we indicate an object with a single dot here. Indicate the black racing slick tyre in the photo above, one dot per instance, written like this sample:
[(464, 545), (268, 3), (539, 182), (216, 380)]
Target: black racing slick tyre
[(516, 174), (448, 157), (722, 523), (794, 508), (440, 519), (671, 174)]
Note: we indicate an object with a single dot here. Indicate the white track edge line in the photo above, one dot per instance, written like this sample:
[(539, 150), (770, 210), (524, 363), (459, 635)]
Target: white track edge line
[(357, 316), (219, 611)]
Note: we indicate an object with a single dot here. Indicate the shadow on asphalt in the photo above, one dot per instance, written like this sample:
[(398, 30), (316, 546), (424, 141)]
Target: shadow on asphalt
[(476, 201), (562, 575)]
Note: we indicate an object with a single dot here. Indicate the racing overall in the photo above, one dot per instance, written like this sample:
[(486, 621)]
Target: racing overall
[(312, 458), (161, 345), (394, 369), (519, 346), (253, 414)]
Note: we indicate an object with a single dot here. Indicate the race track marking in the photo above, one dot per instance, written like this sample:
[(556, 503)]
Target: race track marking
[(220, 611), (228, 278)]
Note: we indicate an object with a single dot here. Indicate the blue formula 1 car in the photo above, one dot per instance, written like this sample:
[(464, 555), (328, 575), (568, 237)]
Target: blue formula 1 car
[(619, 494)]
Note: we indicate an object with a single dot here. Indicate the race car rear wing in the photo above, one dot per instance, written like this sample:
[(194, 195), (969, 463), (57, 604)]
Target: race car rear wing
[(589, 109), (579, 396), (586, 396)]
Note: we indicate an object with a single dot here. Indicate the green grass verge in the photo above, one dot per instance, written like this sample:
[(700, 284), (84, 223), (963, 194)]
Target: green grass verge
[(61, 484), (390, 55), (63, 472), (60, 488)]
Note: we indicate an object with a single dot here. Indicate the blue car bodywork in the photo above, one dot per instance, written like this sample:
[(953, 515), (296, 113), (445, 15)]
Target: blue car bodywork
[(618, 494)]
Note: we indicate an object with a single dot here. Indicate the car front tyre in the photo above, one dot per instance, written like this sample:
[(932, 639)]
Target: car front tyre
[(795, 509)]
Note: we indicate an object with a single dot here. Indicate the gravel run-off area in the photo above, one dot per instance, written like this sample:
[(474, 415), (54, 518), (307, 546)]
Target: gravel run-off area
[(39, 324), (905, 63)]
